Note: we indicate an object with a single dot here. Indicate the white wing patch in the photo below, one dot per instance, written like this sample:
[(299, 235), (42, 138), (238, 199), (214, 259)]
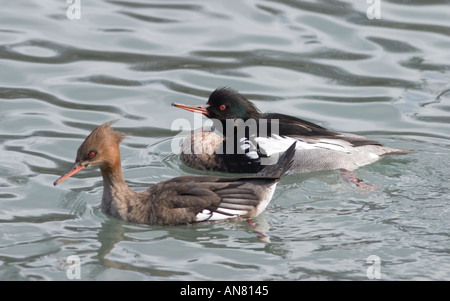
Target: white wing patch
[(207, 215), (249, 148), (235, 207), (278, 144), (274, 144)]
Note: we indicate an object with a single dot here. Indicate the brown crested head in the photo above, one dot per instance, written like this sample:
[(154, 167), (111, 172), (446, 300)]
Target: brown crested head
[(100, 148)]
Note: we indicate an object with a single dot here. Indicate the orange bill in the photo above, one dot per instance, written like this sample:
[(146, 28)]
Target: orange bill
[(73, 170), (195, 109)]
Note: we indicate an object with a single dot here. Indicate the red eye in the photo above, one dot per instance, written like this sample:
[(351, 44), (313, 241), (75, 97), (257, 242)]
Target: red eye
[(222, 107), (92, 155)]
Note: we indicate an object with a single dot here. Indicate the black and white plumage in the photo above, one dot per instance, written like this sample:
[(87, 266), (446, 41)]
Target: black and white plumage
[(317, 148)]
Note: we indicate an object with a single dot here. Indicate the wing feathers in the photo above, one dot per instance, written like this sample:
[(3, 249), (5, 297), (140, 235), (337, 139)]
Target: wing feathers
[(216, 199), (239, 202)]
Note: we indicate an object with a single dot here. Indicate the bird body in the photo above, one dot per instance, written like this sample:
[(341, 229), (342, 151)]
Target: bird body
[(181, 200), (317, 148)]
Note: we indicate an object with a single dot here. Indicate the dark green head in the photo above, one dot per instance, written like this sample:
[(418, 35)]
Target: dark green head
[(223, 104), (226, 103)]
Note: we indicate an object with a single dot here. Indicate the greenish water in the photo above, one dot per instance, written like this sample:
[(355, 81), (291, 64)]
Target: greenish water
[(324, 61)]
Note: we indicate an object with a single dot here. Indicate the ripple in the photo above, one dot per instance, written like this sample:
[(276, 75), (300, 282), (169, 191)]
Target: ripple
[(19, 93), (393, 45), (303, 63), (350, 99), (26, 51), (34, 51), (38, 219), (115, 30), (133, 4), (147, 18), (348, 12), (289, 61), (8, 196), (419, 63), (185, 8), (430, 28), (110, 80)]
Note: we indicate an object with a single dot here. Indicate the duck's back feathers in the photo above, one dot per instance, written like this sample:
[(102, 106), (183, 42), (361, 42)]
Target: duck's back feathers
[(210, 198), (190, 199), (290, 125), (301, 129)]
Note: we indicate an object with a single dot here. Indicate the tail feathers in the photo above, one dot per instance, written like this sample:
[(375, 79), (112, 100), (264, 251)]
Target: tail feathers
[(282, 166)]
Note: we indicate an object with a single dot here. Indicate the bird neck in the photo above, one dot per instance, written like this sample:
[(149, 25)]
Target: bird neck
[(116, 193)]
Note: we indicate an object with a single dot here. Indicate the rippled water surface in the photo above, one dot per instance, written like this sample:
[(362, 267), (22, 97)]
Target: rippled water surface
[(325, 61)]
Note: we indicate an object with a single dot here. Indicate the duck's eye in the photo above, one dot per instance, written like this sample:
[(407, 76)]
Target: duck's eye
[(222, 107), (92, 154)]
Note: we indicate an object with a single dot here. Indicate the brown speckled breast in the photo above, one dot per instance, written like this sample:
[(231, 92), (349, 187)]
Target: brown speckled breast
[(198, 150)]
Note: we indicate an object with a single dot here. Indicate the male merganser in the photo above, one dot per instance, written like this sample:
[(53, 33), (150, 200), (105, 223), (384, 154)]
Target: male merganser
[(318, 148), (182, 200)]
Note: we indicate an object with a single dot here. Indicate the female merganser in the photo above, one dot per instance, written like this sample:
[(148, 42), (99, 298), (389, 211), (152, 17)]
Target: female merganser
[(317, 147), (181, 200)]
